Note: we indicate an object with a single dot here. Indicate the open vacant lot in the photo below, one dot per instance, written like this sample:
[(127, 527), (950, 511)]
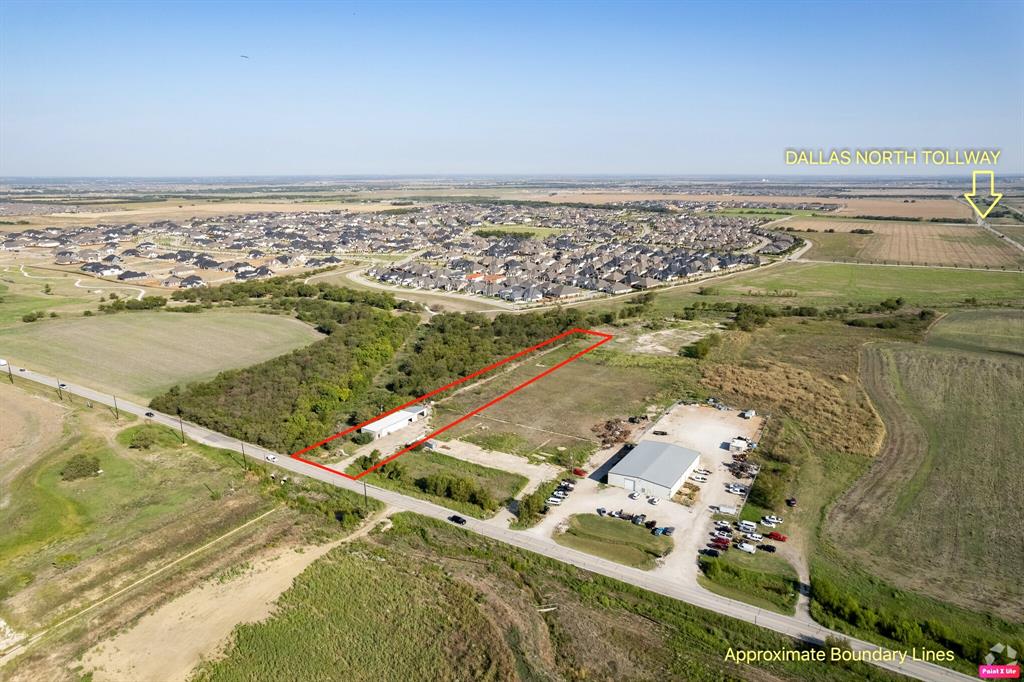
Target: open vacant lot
[(418, 602), (940, 489), (140, 354), (828, 283), (560, 410), (907, 243), (614, 539)]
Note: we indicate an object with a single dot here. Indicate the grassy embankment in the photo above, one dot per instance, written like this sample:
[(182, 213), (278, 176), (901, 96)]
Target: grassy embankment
[(615, 539)]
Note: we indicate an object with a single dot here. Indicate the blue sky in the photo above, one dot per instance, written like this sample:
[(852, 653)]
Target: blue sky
[(160, 89)]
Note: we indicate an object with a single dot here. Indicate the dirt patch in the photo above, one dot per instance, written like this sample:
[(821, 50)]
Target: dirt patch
[(169, 642), (31, 426)]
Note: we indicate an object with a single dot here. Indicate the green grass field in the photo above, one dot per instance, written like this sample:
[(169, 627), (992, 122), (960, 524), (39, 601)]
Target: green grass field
[(836, 284), (425, 600), (615, 539), (560, 410), (942, 486), (502, 485), (761, 579), (139, 355), (67, 540)]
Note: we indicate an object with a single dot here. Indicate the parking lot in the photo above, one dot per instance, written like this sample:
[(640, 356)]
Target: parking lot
[(702, 428)]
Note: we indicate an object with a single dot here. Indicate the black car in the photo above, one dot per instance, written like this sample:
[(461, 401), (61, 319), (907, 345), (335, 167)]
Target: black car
[(711, 552), (651, 524), (456, 519), (767, 548), (150, 414), (669, 530)]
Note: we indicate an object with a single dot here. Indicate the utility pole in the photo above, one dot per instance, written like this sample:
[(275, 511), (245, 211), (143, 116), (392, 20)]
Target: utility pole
[(9, 374), (181, 427), (366, 500), (59, 394), (117, 415)]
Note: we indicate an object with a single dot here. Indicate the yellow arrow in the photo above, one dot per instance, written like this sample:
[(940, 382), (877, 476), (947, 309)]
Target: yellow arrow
[(991, 192)]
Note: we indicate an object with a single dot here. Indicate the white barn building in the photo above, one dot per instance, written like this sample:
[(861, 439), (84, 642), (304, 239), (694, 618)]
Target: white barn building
[(395, 421), (654, 468)]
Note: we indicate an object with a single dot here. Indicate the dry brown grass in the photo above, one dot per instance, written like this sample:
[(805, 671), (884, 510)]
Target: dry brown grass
[(918, 243), (831, 420)]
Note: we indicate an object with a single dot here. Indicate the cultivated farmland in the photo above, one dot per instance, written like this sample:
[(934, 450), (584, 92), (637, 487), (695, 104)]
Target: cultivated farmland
[(939, 491), (140, 354), (907, 243), (828, 283)]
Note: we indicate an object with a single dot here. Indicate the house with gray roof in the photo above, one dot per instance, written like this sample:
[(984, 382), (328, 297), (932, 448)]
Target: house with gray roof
[(654, 468)]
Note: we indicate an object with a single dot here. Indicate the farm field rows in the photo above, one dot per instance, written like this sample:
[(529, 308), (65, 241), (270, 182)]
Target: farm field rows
[(835, 284), (939, 489), (140, 354), (907, 243)]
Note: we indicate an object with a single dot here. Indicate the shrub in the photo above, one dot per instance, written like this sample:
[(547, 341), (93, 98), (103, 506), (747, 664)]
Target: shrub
[(80, 466)]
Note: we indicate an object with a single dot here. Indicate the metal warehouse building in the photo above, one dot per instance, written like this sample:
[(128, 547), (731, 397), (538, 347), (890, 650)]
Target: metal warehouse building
[(395, 421), (654, 468)]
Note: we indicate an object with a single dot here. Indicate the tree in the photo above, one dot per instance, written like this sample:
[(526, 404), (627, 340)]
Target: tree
[(80, 466)]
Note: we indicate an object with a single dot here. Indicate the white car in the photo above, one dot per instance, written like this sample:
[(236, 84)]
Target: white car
[(654, 500), (559, 493), (768, 525), (722, 534), (756, 537), (554, 501), (771, 519), (271, 458), (699, 479), (723, 525), (746, 547), (634, 496)]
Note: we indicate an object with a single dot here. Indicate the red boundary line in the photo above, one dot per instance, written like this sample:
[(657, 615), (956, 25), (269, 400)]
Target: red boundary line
[(605, 338)]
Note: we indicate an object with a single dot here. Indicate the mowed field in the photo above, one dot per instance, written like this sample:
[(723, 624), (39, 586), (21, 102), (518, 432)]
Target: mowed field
[(560, 410), (943, 496), (138, 355), (828, 283), (907, 243)]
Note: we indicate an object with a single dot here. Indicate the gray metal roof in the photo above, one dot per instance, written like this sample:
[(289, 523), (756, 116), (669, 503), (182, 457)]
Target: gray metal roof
[(659, 463)]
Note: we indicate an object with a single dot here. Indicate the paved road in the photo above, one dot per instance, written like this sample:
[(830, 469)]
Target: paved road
[(792, 626)]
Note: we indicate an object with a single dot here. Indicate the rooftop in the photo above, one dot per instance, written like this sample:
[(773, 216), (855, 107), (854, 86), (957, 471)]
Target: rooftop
[(659, 463)]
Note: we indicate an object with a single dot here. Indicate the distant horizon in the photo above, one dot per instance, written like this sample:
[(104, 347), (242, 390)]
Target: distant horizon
[(153, 89)]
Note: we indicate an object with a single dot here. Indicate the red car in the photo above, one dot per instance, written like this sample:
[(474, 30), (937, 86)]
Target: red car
[(720, 541), (776, 535), (580, 472)]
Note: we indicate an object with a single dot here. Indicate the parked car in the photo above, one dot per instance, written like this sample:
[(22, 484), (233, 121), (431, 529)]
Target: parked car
[(723, 524), (639, 519), (654, 500), (699, 479), (767, 548), (791, 502), (657, 531), (634, 495), (756, 537), (456, 519), (651, 524), (554, 501), (720, 542), (569, 485), (723, 535), (746, 547), (560, 493), (711, 553), (777, 536), (660, 433), (271, 458), (669, 530), (579, 472), (771, 519), (702, 472), (601, 511)]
